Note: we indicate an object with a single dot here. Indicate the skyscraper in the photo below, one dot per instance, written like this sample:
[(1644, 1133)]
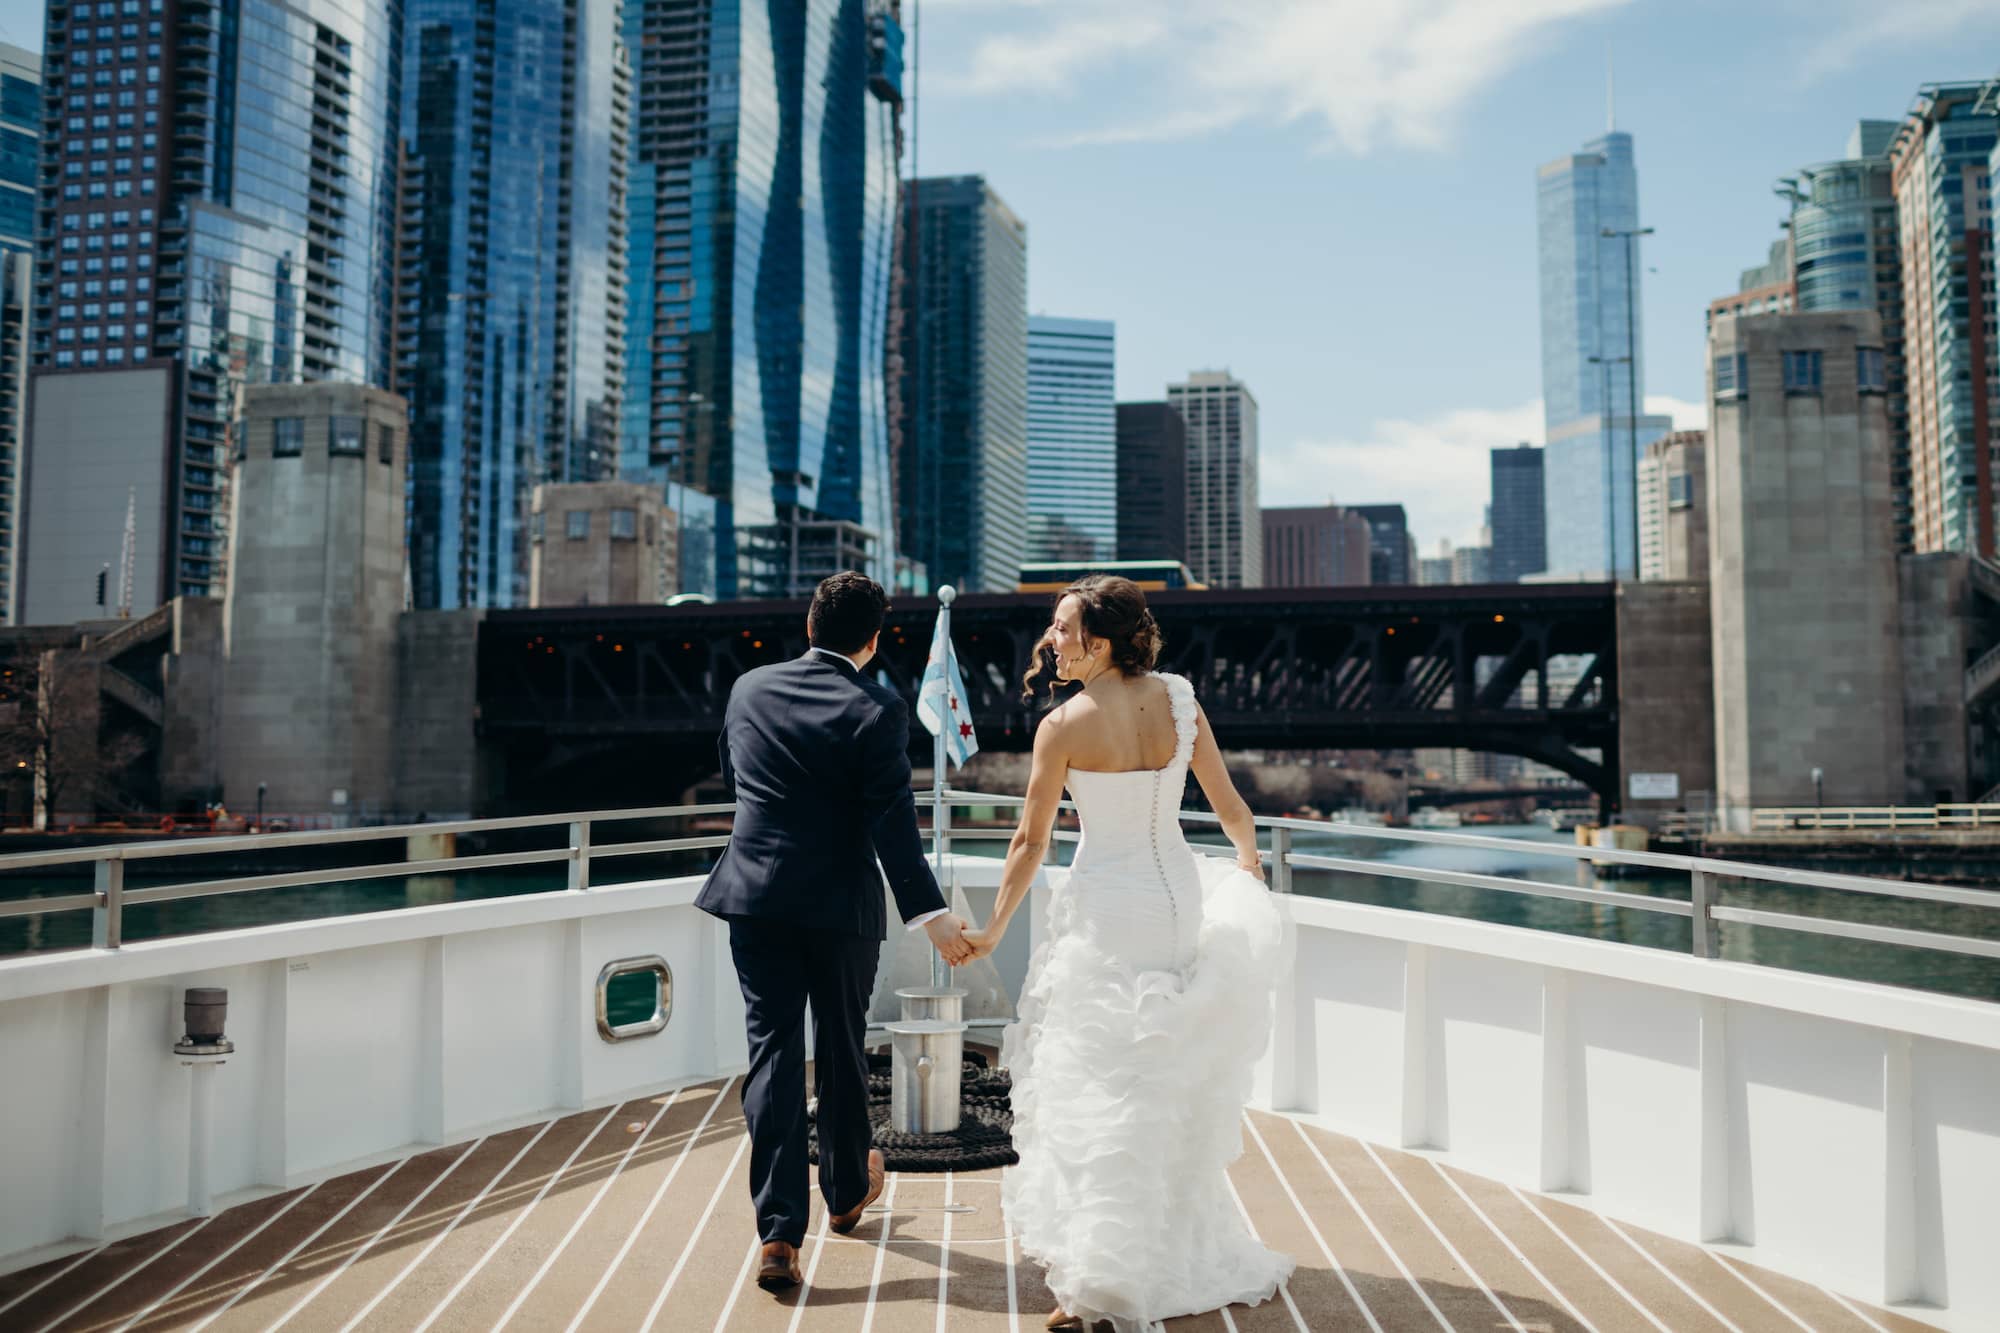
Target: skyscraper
[(20, 149), (1225, 522), (760, 329), (218, 208), (513, 277), (1392, 556), (1072, 439), (1520, 533), (1673, 507), (20, 144), (1316, 546), (1847, 257), (1152, 482), (1941, 165), (963, 476), (1593, 358)]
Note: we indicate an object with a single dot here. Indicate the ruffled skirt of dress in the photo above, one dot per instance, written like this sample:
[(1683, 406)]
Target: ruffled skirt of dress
[(1128, 1094)]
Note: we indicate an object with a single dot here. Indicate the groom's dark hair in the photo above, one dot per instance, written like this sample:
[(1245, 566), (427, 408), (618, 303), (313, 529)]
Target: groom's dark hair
[(847, 612)]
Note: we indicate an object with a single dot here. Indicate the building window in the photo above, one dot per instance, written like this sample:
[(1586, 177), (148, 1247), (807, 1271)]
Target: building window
[(288, 437), (1732, 376), (577, 525), (1871, 375), (624, 525), (1802, 372), (344, 436), (385, 443), (1680, 491)]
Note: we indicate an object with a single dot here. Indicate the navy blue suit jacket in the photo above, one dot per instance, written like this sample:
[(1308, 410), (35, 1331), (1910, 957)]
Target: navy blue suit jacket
[(817, 758)]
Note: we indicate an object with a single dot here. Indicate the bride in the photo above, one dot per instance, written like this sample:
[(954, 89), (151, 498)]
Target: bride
[(1148, 1002)]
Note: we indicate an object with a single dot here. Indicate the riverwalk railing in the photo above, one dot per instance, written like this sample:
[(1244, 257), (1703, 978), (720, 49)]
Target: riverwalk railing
[(427, 848), (1963, 815)]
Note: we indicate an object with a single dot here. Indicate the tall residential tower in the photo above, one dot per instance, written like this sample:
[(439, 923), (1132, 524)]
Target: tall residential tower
[(760, 327), (963, 474), (1225, 546), (218, 208), (1072, 439), (512, 353), (1593, 358)]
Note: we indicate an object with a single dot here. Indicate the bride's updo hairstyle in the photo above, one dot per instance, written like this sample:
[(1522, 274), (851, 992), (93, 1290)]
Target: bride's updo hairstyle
[(1108, 608)]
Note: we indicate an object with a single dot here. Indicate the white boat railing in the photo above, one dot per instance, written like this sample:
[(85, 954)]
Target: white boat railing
[(111, 864)]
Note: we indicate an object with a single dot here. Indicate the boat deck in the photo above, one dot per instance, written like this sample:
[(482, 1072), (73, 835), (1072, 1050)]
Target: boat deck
[(636, 1217)]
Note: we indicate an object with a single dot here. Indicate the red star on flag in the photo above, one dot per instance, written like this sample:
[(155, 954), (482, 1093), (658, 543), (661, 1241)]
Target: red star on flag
[(952, 699), (965, 728)]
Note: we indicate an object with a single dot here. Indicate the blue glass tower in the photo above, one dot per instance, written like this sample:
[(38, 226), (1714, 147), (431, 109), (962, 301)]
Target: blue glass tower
[(1072, 439), (1591, 309), (20, 144), (217, 207), (764, 209), (517, 119)]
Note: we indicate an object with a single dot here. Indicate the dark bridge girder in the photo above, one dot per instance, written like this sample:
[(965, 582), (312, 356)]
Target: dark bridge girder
[(1528, 670)]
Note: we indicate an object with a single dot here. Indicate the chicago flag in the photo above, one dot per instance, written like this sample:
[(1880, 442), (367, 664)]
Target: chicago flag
[(941, 701)]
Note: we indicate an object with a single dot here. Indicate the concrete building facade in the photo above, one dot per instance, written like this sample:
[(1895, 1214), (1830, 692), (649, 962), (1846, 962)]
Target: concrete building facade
[(1673, 508), (17, 282), (1225, 547), (1315, 546), (315, 593), (1802, 520), (1152, 482), (607, 543)]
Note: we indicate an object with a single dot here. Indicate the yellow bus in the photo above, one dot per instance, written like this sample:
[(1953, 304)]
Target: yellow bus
[(1150, 575)]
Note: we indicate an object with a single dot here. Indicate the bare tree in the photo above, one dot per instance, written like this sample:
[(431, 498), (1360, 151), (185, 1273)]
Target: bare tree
[(52, 732)]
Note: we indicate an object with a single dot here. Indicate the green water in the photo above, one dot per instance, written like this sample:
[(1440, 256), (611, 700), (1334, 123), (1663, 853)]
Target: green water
[(1924, 969)]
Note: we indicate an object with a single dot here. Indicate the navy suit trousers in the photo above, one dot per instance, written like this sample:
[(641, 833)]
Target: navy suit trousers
[(781, 969)]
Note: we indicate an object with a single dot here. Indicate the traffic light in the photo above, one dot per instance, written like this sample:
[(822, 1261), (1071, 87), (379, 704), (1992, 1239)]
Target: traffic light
[(103, 577)]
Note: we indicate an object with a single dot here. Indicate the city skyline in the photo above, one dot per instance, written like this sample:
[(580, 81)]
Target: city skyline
[(1312, 154)]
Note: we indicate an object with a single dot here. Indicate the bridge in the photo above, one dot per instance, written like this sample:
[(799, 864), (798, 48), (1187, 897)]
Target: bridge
[(625, 702)]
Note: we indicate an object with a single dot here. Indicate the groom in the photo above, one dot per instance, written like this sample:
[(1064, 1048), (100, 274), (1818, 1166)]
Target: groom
[(816, 755)]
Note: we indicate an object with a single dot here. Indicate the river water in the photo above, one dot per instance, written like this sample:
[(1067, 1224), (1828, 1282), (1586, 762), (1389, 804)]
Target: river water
[(1954, 974)]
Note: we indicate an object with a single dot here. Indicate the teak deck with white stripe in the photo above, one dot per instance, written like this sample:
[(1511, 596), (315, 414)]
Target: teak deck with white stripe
[(636, 1217)]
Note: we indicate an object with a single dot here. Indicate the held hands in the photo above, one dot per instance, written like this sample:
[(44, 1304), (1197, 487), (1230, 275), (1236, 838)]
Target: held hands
[(948, 937), (983, 942)]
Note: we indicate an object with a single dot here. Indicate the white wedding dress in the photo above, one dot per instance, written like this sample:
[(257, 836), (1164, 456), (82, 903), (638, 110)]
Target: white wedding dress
[(1145, 1009)]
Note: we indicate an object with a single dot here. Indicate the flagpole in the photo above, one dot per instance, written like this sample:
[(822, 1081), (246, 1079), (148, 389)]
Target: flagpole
[(946, 595)]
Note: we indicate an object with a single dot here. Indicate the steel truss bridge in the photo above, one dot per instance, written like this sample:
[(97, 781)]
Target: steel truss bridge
[(576, 698)]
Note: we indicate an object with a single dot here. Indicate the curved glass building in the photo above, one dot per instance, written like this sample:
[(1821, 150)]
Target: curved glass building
[(517, 118), (764, 209)]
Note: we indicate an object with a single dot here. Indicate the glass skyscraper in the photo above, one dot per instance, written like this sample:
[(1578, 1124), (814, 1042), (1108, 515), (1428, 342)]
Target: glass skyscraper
[(963, 473), (217, 207), (512, 357), (763, 304), (20, 144), (20, 152), (1941, 164), (1072, 439), (1591, 310), (1846, 256), (1520, 529), (1225, 545)]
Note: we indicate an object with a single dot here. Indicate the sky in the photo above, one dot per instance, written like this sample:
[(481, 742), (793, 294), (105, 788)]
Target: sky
[(1335, 199)]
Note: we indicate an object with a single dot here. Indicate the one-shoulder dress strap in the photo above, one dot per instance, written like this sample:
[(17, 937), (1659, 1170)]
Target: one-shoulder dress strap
[(1180, 698)]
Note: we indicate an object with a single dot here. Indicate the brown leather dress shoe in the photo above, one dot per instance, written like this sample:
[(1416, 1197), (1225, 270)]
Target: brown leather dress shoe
[(878, 1173), (1063, 1320), (779, 1268)]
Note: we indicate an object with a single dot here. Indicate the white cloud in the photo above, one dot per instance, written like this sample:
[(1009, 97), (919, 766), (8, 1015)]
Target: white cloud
[(1438, 468), (1365, 72), (1851, 30)]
